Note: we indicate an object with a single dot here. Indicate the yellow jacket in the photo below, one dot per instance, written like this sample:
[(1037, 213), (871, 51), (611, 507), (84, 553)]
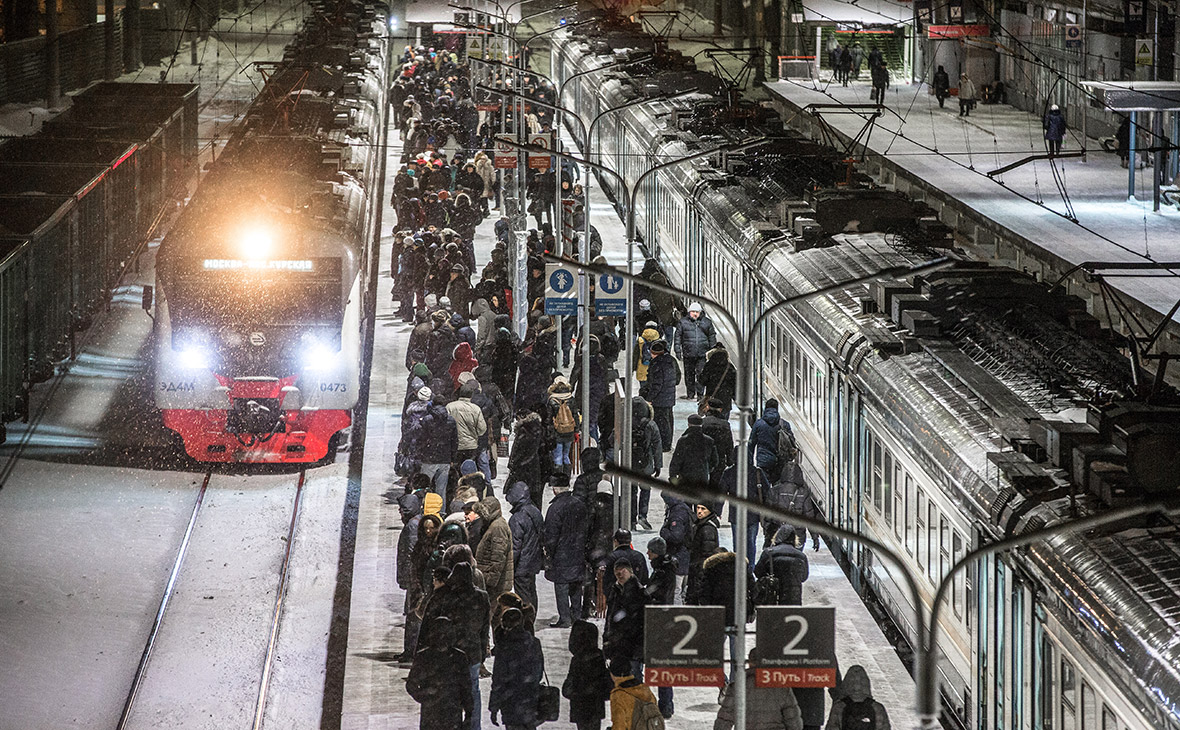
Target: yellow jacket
[(646, 337), (627, 691)]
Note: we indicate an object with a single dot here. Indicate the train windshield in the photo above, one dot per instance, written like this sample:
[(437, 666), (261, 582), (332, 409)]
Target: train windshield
[(237, 293)]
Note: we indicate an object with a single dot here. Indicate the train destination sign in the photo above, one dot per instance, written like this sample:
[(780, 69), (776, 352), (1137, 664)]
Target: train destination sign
[(796, 646), (684, 646)]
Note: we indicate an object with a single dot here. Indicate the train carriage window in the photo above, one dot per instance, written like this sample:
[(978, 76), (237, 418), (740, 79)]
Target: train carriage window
[(1069, 682), (887, 486), (876, 467), (911, 498), (931, 539), (1089, 707), (899, 499), (944, 547), (1046, 689), (1110, 721), (957, 587), (920, 527)]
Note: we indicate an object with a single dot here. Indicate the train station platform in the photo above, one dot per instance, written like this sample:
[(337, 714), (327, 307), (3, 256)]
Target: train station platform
[(1044, 216), (374, 693)]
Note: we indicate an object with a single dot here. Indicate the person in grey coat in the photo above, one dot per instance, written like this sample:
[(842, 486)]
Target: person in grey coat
[(525, 523), (695, 336), (565, 549), (767, 708)]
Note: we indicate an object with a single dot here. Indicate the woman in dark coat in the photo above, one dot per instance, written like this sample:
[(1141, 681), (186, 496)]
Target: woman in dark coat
[(504, 351), (704, 543), (531, 384), (719, 377), (516, 675), (588, 684), (529, 460)]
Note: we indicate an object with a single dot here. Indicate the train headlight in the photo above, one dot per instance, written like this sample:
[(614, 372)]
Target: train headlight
[(319, 356), (256, 242), (194, 357)]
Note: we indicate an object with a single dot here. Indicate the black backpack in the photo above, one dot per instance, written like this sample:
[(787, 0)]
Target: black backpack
[(859, 715), (640, 446)]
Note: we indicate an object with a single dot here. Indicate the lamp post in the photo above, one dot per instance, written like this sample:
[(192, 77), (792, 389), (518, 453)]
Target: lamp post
[(746, 366)]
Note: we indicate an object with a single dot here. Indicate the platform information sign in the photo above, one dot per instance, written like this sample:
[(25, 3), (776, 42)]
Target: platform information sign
[(1144, 52), (607, 303), (684, 646), (561, 296), (540, 160), (796, 646)]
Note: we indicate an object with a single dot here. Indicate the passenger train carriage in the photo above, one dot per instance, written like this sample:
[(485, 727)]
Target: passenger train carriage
[(261, 282), (934, 414)]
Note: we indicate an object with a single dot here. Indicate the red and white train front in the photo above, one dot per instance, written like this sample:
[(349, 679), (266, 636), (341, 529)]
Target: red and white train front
[(258, 341)]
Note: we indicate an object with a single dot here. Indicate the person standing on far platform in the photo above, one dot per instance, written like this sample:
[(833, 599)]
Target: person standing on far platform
[(966, 95), (1054, 124), (695, 336), (942, 86), (857, 709)]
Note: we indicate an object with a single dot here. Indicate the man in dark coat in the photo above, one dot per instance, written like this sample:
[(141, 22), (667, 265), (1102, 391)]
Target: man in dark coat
[(586, 483), (431, 438), (660, 390), (469, 610), (565, 550), (439, 681), (530, 460), (661, 591), (600, 519), (942, 85), (525, 524), (1054, 124), (695, 336), (715, 425), (416, 349), (695, 456), (662, 304), (764, 440), (757, 488), (705, 542), (623, 637), (624, 551), (717, 589), (787, 564), (504, 353), (440, 345), (719, 378), (517, 673), (588, 684), (676, 532)]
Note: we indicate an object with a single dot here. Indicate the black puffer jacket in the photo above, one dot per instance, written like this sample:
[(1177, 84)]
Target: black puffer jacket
[(694, 337), (677, 530), (588, 684), (694, 459), (624, 620), (526, 525), (565, 539)]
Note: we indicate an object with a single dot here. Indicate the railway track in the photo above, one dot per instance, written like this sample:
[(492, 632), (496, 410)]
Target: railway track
[(199, 666)]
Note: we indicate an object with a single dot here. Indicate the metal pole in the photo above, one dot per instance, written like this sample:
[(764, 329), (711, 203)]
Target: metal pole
[(1082, 76), (745, 410), (1131, 158), (52, 57)]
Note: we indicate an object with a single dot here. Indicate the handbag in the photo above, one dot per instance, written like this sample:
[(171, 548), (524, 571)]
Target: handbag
[(548, 702)]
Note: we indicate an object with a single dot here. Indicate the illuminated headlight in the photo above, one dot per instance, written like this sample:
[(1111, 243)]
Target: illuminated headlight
[(194, 357), (393, 22), (319, 356)]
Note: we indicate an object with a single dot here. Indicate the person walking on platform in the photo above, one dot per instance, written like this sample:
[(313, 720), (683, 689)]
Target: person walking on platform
[(716, 426), (880, 77), (966, 95), (564, 540), (858, 57), (767, 708), (468, 608), (439, 681), (705, 542), (757, 488), (718, 378), (718, 585), (1054, 124), (942, 86), (623, 635), (857, 709), (695, 336), (527, 557), (676, 532), (632, 704), (845, 67), (695, 456), (1123, 140), (661, 591), (764, 440), (660, 389), (624, 551), (784, 567), (588, 684)]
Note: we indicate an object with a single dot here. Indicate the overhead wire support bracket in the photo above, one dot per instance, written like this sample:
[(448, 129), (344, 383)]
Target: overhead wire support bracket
[(1033, 158)]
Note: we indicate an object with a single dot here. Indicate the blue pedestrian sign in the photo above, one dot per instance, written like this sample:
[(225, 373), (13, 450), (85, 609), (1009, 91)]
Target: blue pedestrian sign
[(607, 303), (561, 297)]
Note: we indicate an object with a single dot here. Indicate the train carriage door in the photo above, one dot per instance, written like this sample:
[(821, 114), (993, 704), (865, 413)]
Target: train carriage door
[(832, 442), (692, 252)]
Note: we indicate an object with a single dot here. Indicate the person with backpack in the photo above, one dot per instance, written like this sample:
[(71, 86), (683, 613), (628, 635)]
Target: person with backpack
[(695, 456), (563, 412), (647, 457), (663, 375), (792, 495), (767, 708), (764, 440), (588, 684), (783, 568), (758, 489), (647, 337), (857, 710), (632, 705)]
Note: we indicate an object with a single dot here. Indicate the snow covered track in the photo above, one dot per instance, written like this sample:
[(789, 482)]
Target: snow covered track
[(200, 664)]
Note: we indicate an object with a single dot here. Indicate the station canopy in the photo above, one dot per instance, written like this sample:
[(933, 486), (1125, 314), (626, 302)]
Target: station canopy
[(866, 12), (1136, 96)]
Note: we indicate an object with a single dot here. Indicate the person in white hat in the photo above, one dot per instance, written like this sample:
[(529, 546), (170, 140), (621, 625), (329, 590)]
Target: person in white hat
[(695, 336), (1054, 124)]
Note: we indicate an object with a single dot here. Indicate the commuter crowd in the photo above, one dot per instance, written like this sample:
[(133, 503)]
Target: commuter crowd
[(497, 487)]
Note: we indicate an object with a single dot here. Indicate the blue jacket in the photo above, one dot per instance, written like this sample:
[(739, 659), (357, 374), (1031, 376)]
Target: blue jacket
[(660, 387), (764, 439), (525, 524), (1054, 124), (678, 521), (565, 539)]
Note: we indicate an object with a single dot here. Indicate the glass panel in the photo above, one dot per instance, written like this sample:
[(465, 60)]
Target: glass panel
[(956, 592), (1110, 721), (931, 540), (944, 547), (877, 474), (1089, 708), (887, 481), (1001, 653), (1047, 690), (1017, 654), (1069, 687), (907, 509), (920, 527)]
